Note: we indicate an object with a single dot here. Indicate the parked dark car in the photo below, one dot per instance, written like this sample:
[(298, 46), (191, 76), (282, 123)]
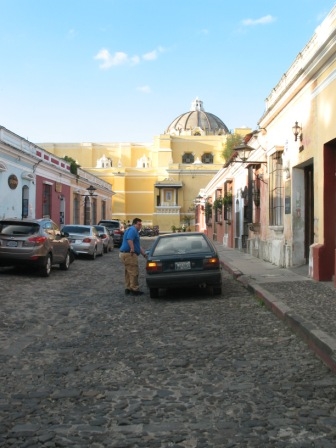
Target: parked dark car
[(116, 227), (34, 243), (183, 260)]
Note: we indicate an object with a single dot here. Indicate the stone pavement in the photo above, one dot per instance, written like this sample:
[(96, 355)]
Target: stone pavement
[(308, 307), (85, 366)]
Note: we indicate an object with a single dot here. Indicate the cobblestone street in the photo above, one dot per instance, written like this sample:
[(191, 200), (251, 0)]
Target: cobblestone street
[(83, 365)]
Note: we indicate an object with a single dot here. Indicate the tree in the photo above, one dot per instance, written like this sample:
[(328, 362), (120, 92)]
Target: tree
[(232, 141), (73, 164)]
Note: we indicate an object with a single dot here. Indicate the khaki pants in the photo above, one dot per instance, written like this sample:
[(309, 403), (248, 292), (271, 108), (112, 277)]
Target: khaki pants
[(130, 261)]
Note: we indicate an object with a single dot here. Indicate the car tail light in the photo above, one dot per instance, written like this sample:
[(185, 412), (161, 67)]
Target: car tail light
[(211, 263), (39, 240), (117, 231), (153, 266), (103, 236), (87, 240)]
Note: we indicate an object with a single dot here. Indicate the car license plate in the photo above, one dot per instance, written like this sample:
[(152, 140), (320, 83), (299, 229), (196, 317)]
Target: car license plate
[(12, 243), (182, 265)]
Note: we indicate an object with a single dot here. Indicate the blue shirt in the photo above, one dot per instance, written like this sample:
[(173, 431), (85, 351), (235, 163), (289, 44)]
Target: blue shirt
[(131, 234)]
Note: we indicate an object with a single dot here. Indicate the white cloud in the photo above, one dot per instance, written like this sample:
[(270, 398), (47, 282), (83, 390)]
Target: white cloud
[(121, 58), (108, 60), (144, 89), (261, 21), (151, 56)]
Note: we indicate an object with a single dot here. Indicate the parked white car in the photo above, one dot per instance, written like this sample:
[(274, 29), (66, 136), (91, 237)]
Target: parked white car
[(106, 237), (84, 240)]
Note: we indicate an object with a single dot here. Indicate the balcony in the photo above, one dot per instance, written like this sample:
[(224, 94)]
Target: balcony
[(166, 209)]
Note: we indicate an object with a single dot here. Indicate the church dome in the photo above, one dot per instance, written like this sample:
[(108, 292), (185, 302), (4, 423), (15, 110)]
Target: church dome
[(197, 122)]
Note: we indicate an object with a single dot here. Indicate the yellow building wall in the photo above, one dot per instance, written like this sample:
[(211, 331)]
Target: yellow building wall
[(134, 184)]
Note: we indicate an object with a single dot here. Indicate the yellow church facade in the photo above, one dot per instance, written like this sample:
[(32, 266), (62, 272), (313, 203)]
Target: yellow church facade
[(157, 182)]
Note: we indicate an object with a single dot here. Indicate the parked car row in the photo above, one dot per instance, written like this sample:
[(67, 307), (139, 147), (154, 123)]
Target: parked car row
[(40, 244), (116, 228)]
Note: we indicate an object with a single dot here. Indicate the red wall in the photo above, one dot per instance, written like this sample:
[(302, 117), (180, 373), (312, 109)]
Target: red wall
[(56, 202)]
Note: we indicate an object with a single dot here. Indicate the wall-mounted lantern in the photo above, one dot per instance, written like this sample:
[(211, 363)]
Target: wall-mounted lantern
[(298, 135), (243, 152)]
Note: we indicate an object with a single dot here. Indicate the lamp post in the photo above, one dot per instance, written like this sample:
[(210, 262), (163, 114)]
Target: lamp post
[(244, 152), (91, 189), (87, 204)]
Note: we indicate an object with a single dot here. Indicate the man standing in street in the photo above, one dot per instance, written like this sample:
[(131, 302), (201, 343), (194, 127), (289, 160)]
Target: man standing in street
[(130, 249)]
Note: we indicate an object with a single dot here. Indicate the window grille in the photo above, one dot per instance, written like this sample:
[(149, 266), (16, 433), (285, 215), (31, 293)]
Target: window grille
[(188, 157), (218, 210), (25, 201), (46, 200), (207, 158), (276, 190), (76, 209)]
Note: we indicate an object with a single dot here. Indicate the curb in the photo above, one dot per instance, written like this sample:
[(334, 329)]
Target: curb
[(323, 345)]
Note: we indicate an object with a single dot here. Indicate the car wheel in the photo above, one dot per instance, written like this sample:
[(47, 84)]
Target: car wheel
[(66, 263), (93, 256), (46, 268), (153, 293)]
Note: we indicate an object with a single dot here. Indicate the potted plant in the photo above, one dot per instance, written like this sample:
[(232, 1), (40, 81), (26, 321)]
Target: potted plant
[(227, 200), (173, 228), (218, 203), (208, 211), (186, 223)]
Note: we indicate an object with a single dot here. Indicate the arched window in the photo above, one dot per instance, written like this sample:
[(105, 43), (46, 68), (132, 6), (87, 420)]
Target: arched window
[(143, 162), (207, 158), (188, 157), (104, 162)]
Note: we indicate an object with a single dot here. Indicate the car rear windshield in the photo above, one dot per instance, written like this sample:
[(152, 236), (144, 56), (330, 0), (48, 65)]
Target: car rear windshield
[(113, 224), (76, 229), (19, 228), (182, 244)]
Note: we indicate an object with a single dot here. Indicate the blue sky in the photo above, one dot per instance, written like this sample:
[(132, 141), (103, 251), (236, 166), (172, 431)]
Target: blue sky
[(122, 70)]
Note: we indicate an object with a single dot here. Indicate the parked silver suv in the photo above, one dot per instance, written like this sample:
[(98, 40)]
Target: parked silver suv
[(116, 227), (33, 243)]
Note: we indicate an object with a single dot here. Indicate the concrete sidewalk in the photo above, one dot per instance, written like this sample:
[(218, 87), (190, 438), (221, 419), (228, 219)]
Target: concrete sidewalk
[(306, 306)]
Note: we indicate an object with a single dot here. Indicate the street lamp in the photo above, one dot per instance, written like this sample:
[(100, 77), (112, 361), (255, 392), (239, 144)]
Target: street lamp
[(244, 151), (297, 131), (91, 189)]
